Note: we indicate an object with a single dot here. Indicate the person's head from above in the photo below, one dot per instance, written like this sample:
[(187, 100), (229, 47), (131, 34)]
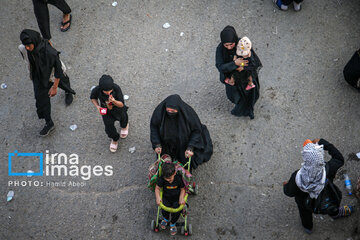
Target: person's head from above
[(313, 154), (168, 171), (106, 84), (312, 174), (30, 38), (229, 37), (243, 48), (172, 105)]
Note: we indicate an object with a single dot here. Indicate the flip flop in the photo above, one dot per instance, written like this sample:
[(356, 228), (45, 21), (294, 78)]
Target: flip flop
[(124, 133), (64, 23), (113, 146)]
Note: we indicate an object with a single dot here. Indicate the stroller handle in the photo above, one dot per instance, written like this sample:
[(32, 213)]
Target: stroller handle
[(173, 210)]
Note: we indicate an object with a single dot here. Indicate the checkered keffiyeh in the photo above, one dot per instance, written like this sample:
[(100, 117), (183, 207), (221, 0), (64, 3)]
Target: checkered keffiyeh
[(312, 175)]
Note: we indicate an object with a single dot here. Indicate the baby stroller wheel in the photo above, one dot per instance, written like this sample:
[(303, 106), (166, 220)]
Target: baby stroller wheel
[(190, 229), (195, 187), (153, 225)]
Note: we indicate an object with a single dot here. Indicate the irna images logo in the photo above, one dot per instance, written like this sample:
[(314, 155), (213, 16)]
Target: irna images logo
[(58, 164)]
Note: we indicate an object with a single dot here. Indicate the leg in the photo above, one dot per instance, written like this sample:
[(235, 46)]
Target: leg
[(124, 118), (175, 216), (306, 218), (110, 129), (43, 108), (42, 16), (64, 7), (61, 5), (64, 84)]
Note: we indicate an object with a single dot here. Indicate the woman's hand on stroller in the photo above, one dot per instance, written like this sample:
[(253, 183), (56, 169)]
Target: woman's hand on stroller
[(158, 150), (158, 201), (189, 153)]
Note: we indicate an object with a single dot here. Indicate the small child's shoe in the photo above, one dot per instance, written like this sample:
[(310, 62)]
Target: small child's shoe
[(173, 229), (281, 6), (163, 224), (248, 87)]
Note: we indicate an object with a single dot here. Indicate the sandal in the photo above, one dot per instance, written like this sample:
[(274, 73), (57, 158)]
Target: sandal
[(124, 132), (163, 224), (113, 146), (64, 23), (173, 229)]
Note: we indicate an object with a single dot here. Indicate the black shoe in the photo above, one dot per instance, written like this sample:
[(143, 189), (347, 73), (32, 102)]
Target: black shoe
[(252, 116), (49, 127), (68, 98)]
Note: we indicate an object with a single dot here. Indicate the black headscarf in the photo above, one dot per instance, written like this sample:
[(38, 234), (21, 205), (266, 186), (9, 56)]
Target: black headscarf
[(106, 83), (177, 132), (42, 58), (228, 35)]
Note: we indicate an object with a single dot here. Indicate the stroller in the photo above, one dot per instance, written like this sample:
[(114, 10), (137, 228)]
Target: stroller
[(155, 171)]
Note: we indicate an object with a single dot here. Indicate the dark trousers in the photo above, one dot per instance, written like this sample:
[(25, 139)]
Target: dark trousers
[(109, 122), (288, 2), (42, 14), (42, 99), (306, 216), (172, 204)]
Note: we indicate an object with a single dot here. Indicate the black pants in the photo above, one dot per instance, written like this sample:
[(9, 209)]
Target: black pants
[(42, 14), (288, 2), (306, 216), (42, 99), (172, 204), (109, 122)]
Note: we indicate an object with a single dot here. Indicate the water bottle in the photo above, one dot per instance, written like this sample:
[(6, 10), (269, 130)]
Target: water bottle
[(10, 196), (348, 184)]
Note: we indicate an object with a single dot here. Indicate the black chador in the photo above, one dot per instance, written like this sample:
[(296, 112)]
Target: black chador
[(43, 59), (181, 131)]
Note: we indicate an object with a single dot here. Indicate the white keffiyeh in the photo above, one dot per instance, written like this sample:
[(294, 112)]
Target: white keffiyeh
[(312, 175)]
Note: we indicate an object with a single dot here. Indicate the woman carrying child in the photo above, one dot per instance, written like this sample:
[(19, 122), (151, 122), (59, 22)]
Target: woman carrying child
[(176, 130), (225, 62), (246, 79)]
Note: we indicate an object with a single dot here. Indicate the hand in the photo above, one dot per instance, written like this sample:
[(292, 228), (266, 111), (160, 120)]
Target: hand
[(189, 153), (158, 201), (316, 140), (52, 91), (240, 69), (181, 201), (241, 62), (158, 150), (98, 108), (111, 98), (284, 183)]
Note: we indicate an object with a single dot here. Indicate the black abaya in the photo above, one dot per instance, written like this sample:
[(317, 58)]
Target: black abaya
[(177, 133)]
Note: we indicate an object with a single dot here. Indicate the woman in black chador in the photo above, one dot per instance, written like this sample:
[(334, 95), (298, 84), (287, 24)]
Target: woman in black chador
[(240, 79), (43, 59), (175, 129)]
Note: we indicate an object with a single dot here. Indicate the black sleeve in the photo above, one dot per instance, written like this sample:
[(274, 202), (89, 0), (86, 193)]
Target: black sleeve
[(221, 65), (290, 188), (160, 182), (94, 93), (154, 132), (118, 94), (58, 73), (336, 161)]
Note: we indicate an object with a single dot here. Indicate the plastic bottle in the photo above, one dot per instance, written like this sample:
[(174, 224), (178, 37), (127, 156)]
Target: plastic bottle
[(348, 184), (10, 196)]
